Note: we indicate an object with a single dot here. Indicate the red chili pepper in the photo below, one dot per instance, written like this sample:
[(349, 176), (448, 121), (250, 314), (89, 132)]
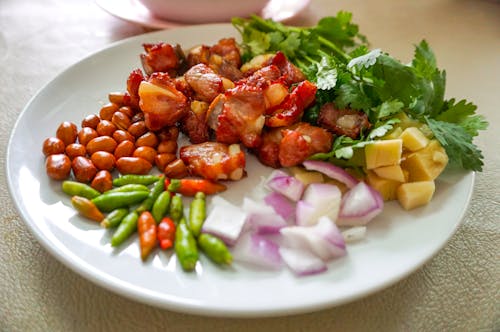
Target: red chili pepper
[(146, 227), (189, 187), (166, 233)]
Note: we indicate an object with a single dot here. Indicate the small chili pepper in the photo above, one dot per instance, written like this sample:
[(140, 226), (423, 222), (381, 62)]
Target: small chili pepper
[(128, 187), (146, 227), (166, 233), (110, 201), (161, 205), (73, 188), (189, 187), (126, 228), (114, 218), (86, 208), (215, 249), (157, 189), (197, 213), (146, 179), (185, 247), (176, 208)]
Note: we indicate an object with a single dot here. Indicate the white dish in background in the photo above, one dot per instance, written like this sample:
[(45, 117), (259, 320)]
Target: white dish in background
[(397, 242), (135, 12)]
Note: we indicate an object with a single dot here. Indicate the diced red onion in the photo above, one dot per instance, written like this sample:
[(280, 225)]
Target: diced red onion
[(353, 234), (301, 262), (359, 205), (225, 221), (282, 205), (323, 239), (257, 250), (331, 171), (321, 199), (286, 185)]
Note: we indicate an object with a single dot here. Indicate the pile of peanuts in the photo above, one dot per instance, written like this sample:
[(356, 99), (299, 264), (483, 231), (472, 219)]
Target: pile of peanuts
[(118, 139)]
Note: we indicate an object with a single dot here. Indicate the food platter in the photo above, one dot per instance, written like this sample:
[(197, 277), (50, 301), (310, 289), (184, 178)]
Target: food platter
[(397, 242)]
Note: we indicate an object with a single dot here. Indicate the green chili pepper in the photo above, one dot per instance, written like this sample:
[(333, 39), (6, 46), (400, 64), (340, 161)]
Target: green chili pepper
[(215, 249), (157, 189), (128, 187), (127, 227), (185, 247), (160, 206), (176, 208), (110, 201), (135, 179), (197, 213), (114, 218), (74, 188)]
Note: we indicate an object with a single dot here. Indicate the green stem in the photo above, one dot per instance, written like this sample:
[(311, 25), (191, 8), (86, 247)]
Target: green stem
[(334, 48)]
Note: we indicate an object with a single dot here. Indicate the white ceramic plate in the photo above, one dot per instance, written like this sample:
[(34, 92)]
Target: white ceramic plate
[(134, 11), (397, 242)]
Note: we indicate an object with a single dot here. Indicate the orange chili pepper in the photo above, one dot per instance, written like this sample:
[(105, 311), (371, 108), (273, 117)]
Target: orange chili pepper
[(146, 227), (86, 208), (189, 187), (166, 233)]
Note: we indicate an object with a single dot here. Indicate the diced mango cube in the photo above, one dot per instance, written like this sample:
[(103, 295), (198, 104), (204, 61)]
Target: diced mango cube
[(387, 188), (393, 172), (413, 139), (426, 164), (414, 194), (383, 153)]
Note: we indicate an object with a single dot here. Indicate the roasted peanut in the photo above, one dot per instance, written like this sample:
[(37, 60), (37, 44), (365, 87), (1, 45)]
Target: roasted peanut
[(176, 169), (52, 145), (127, 110), (101, 143), (91, 121), (83, 169), (107, 111), (167, 147), (106, 128), (147, 139), (86, 134), (58, 166), (163, 159), (103, 160), (75, 149), (137, 128), (139, 116), (103, 181), (116, 98), (122, 135), (124, 149), (67, 132), (121, 120), (133, 165), (145, 152)]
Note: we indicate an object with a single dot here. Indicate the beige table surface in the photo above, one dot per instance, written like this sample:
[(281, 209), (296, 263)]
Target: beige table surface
[(457, 290)]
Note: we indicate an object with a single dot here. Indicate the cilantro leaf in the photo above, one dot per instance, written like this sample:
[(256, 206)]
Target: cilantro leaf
[(458, 144)]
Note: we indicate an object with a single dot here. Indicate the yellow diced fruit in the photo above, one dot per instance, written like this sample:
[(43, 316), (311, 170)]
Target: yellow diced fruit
[(387, 188), (414, 194), (413, 139), (309, 177), (383, 153), (393, 172), (426, 164), (405, 121)]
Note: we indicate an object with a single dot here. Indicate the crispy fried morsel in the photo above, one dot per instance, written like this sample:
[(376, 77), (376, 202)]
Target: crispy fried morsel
[(194, 124), (205, 82), (214, 161), (162, 104), (242, 116), (162, 57), (131, 98), (343, 122), (291, 109), (198, 54), (291, 73), (292, 145), (225, 59), (263, 77)]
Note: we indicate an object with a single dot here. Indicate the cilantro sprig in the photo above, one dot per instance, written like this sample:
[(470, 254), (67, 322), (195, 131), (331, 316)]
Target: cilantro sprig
[(335, 56)]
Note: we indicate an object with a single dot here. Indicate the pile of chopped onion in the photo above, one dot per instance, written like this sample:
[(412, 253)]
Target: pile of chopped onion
[(296, 225)]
